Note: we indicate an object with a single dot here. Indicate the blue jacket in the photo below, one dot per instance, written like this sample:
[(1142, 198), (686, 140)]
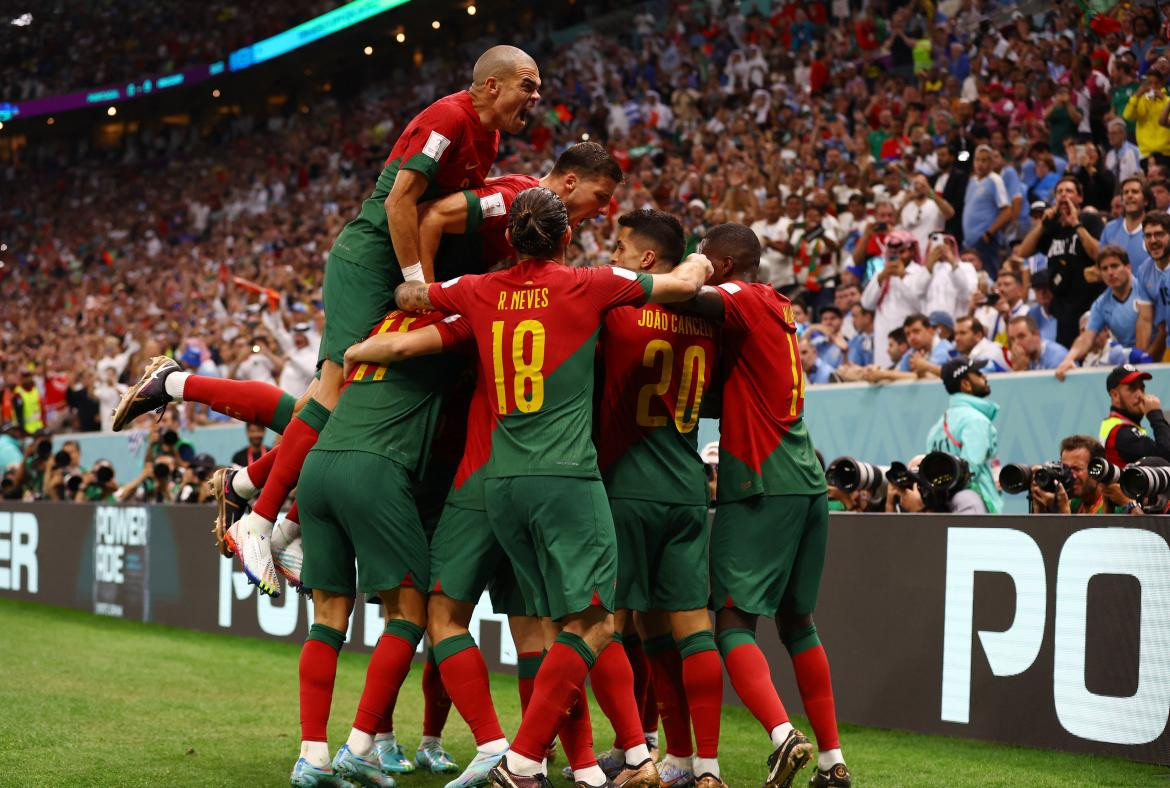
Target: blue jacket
[(966, 430)]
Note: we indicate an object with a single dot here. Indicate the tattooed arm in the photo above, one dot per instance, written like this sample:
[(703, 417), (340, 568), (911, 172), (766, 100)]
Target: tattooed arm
[(412, 296)]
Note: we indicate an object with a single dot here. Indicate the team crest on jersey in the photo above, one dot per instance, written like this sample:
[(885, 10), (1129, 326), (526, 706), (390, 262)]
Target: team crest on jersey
[(623, 273), (492, 205), (450, 282), (436, 144)]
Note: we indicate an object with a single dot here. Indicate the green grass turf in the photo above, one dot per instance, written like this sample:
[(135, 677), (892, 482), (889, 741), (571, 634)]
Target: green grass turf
[(86, 700)]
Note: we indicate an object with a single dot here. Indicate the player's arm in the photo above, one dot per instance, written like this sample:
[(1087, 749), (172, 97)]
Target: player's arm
[(394, 346), (447, 215), (402, 218), (683, 283), (413, 297)]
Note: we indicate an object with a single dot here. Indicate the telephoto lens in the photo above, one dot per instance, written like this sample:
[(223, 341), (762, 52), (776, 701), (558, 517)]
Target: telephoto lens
[(850, 475), (1142, 482), (900, 476), (1015, 478), (1053, 473), (1104, 471)]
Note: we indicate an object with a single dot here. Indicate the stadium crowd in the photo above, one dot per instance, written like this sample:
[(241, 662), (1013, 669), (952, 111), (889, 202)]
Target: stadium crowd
[(926, 180)]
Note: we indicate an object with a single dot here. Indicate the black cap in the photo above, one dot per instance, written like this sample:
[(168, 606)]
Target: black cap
[(1040, 279), (953, 372), (1126, 373)]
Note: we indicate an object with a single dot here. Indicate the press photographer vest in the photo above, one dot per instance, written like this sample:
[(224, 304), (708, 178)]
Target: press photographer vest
[(30, 410), (1108, 436)]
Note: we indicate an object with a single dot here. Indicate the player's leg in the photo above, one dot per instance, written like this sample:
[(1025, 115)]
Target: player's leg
[(679, 587), (436, 708), (164, 382), (753, 544), (356, 298), (799, 635), (674, 768), (329, 566)]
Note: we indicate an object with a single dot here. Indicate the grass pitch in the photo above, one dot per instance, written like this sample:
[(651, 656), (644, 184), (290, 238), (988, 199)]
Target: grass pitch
[(88, 700)]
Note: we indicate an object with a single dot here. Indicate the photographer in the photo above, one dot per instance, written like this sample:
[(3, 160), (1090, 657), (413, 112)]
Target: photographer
[(1086, 495), (1121, 433), (966, 428), (37, 462), (911, 489), (156, 483), (193, 485), (98, 484), (64, 477)]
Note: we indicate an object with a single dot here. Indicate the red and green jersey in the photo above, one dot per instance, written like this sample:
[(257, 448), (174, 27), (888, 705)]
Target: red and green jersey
[(393, 411), (764, 446), (657, 366), (467, 487), (448, 144), (536, 326), (483, 244)]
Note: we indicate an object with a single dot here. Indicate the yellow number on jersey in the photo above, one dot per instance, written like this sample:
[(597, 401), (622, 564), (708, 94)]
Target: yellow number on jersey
[(693, 373), (528, 370)]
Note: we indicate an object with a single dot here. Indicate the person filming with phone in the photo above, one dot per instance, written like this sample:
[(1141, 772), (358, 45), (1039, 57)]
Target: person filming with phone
[(952, 280)]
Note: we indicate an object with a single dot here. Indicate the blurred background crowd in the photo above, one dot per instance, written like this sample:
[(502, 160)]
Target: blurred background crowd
[(926, 179)]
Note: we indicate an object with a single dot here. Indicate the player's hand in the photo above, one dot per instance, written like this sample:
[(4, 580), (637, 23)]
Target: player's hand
[(700, 260)]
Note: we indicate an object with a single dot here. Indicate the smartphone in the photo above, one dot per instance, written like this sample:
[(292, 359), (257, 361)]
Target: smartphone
[(992, 299), (938, 238), (881, 227), (1080, 149)]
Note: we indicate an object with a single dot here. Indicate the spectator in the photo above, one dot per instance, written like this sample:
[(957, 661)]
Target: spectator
[(870, 251), (1086, 495), (826, 337), (1008, 304), (772, 230), (84, 405), (257, 362), (1126, 231), (966, 429), (897, 290), (255, 448), (845, 297), (27, 404), (1115, 309), (815, 370), (1121, 432), (1123, 159), (1153, 284), (1029, 350), (951, 184), (1041, 310), (860, 351), (952, 280), (944, 324), (896, 347), (1146, 107), (971, 341), (1068, 238), (1097, 184), (925, 343), (986, 210), (924, 211), (108, 393)]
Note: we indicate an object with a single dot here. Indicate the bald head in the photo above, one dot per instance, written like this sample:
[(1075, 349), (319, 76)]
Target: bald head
[(500, 62)]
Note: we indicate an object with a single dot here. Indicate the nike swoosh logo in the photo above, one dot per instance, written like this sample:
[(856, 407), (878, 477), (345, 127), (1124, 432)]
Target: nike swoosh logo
[(473, 166)]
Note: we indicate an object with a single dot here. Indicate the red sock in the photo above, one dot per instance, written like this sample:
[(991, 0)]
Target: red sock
[(436, 701), (318, 669), (612, 680), (388, 668), (816, 692), (527, 664), (298, 440), (558, 685), (670, 694), (752, 680), (260, 468), (577, 735), (250, 401), (702, 676), (643, 691), (465, 677)]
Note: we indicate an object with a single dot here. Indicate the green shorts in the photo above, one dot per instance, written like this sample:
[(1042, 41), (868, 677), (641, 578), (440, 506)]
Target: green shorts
[(356, 298), (662, 555), (357, 505), (558, 533), (767, 553), (466, 560)]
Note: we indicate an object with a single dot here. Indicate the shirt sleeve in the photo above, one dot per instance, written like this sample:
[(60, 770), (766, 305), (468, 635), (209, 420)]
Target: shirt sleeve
[(1001, 195), (487, 210), (1140, 294), (455, 331), (453, 296), (433, 133), (610, 286), (738, 313)]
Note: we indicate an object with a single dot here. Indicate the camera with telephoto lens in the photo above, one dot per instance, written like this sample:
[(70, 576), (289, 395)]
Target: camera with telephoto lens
[(162, 471), (850, 475), (1103, 471), (900, 476), (1016, 478), (73, 483), (44, 449), (62, 459), (1145, 482), (104, 474), (170, 438)]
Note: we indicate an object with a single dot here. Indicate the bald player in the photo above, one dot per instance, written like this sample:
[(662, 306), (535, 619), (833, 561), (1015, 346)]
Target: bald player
[(448, 147)]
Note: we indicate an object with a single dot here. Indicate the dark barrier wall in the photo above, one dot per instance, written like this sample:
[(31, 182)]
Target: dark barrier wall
[(1045, 631)]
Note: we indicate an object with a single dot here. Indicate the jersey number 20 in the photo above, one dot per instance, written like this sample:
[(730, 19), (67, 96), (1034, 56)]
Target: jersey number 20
[(694, 366), (528, 382)]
